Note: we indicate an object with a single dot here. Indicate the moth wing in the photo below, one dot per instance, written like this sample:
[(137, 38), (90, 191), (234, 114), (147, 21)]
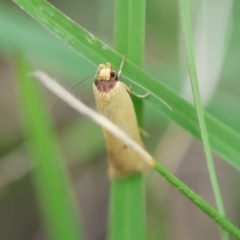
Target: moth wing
[(117, 106)]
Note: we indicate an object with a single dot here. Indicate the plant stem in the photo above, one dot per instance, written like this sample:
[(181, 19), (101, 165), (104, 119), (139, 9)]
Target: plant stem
[(51, 180), (200, 113), (128, 195)]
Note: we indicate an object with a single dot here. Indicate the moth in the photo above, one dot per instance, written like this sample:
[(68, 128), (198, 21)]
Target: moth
[(113, 101)]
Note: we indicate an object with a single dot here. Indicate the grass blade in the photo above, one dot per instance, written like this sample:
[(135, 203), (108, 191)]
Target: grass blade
[(128, 208), (130, 29), (198, 201), (51, 182), (197, 99), (128, 195)]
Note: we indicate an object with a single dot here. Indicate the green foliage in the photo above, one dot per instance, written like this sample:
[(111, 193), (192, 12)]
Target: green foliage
[(199, 108), (128, 208), (198, 201), (128, 195), (51, 181)]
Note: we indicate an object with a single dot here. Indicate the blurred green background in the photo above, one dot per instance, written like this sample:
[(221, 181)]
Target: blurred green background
[(216, 26)]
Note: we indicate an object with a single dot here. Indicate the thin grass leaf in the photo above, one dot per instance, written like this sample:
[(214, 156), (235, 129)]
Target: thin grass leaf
[(51, 181), (197, 99), (198, 201), (130, 38), (127, 219), (130, 29), (223, 139), (128, 195)]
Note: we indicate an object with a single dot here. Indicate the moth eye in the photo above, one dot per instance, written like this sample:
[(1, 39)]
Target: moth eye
[(113, 74)]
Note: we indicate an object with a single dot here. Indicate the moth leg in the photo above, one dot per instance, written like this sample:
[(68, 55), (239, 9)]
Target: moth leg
[(135, 94)]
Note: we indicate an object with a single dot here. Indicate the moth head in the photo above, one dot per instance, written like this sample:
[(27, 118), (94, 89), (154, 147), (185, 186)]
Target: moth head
[(105, 72)]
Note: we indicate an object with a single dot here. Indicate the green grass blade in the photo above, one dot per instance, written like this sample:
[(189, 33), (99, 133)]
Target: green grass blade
[(130, 29), (222, 138), (130, 38), (128, 195), (200, 113), (127, 220), (18, 32), (51, 182), (198, 201)]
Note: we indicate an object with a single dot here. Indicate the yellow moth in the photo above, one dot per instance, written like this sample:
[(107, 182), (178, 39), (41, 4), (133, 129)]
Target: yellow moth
[(113, 101)]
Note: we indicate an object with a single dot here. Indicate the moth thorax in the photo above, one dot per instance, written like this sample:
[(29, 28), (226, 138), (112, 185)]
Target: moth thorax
[(104, 72)]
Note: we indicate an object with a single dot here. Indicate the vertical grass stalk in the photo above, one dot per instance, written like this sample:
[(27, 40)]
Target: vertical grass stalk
[(51, 181), (128, 195), (200, 113)]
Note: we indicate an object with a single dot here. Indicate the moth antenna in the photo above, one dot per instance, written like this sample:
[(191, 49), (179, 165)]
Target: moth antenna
[(55, 103), (121, 66)]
